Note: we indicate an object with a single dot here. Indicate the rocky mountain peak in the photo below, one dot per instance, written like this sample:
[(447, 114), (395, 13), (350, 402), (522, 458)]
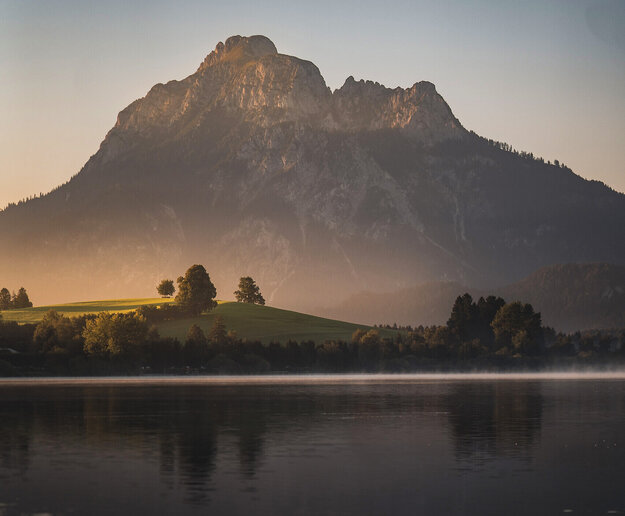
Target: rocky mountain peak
[(248, 75), (420, 110), (253, 166), (240, 49)]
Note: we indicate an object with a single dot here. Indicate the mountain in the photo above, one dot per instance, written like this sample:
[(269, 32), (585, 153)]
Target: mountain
[(570, 297), (575, 296), (424, 304), (253, 166)]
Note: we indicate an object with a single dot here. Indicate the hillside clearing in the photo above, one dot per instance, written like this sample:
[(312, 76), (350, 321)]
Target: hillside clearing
[(35, 314), (252, 322)]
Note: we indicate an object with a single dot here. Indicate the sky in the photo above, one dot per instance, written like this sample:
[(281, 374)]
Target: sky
[(545, 76)]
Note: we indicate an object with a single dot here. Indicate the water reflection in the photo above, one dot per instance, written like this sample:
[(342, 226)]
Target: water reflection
[(490, 420), (15, 435), (182, 425), (199, 442)]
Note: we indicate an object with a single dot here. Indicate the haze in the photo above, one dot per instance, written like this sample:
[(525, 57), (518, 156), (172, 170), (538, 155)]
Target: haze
[(544, 77)]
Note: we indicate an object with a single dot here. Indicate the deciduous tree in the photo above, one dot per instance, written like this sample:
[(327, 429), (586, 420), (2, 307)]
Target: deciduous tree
[(514, 318), (249, 292), (196, 292), (115, 334), (166, 288)]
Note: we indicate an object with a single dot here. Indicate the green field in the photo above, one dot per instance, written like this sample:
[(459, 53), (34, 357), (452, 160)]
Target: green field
[(255, 322), (267, 324), (35, 314)]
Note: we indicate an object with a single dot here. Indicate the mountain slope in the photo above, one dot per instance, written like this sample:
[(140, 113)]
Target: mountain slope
[(252, 166), (575, 296), (254, 322), (570, 297)]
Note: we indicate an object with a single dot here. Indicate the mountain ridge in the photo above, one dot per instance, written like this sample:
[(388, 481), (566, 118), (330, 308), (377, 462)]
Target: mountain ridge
[(252, 166), (570, 297)]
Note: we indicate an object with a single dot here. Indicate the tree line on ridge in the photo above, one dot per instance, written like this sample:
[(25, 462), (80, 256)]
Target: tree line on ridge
[(486, 333)]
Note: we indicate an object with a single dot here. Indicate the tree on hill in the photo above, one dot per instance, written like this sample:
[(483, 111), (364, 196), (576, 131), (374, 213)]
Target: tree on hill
[(196, 292), (166, 288), (218, 333), (5, 299), (21, 299), (249, 292), (195, 336)]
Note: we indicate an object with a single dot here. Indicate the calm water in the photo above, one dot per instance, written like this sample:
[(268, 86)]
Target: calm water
[(407, 446)]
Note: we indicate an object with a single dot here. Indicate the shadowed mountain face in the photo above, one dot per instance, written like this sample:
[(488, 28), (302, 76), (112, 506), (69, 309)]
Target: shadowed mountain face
[(252, 166), (569, 297)]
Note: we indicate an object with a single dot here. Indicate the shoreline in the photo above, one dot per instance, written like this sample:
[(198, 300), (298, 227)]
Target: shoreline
[(310, 378)]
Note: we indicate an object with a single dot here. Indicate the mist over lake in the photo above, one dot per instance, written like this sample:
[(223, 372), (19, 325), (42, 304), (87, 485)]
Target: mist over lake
[(411, 444)]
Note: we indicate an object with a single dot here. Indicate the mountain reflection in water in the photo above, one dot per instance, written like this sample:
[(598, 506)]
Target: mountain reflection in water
[(347, 448)]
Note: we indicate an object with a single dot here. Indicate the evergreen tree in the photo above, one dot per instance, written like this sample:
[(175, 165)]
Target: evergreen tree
[(5, 299), (218, 333), (487, 309), (464, 318), (21, 299), (195, 336), (196, 345)]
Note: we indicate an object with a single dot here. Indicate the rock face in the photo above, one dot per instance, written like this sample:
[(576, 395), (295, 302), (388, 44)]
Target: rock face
[(252, 166)]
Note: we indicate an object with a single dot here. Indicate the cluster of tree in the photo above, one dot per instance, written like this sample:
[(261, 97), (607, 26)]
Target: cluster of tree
[(16, 336), (489, 333), (506, 147), (19, 300), (25, 200), (154, 314), (395, 326), (496, 326), (196, 294), (104, 334)]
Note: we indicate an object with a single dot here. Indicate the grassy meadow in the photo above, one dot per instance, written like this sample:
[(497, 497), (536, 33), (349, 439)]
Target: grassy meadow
[(35, 314), (251, 322)]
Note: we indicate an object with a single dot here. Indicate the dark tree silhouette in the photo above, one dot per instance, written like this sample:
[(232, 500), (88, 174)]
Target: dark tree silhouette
[(5, 299), (517, 325), (166, 288), (196, 292), (217, 334), (464, 317), (21, 299), (249, 292), (196, 345)]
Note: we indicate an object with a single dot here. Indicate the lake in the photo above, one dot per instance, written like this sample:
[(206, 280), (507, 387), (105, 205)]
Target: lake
[(354, 445)]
